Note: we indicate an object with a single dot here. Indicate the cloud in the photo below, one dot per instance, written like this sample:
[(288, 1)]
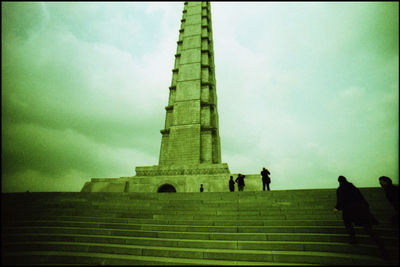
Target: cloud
[(352, 92), (35, 181), (56, 153), (73, 104)]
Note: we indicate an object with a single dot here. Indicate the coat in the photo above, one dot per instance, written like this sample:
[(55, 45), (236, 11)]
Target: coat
[(392, 194), (265, 177), (240, 180), (231, 184), (354, 206)]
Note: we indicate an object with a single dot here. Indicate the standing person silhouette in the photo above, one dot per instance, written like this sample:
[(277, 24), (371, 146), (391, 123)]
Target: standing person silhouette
[(231, 184), (265, 178), (240, 181), (392, 195), (201, 188), (356, 210)]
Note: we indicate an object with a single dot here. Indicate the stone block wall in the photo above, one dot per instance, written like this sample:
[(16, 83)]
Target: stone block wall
[(182, 180), (191, 133)]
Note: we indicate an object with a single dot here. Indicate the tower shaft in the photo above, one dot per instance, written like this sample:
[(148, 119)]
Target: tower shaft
[(190, 142), (191, 125)]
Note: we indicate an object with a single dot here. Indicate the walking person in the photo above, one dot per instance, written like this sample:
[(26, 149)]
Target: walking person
[(231, 184), (240, 181), (356, 210), (265, 178), (392, 195), (201, 188)]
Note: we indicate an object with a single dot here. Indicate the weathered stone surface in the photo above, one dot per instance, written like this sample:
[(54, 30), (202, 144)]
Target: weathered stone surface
[(188, 90), (192, 55), (184, 178)]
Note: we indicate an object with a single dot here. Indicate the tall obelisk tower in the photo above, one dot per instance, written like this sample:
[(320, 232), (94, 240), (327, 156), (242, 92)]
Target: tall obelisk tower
[(191, 125), (190, 152), (190, 141)]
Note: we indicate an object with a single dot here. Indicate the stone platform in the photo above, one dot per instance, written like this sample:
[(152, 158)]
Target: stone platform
[(285, 227), (181, 183)]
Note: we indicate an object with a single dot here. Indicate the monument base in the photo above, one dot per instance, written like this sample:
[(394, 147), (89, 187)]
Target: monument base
[(180, 183), (194, 169)]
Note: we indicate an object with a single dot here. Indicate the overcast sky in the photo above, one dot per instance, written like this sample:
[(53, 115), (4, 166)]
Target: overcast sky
[(309, 90)]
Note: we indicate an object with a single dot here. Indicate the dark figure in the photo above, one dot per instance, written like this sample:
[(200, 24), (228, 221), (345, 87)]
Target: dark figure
[(265, 178), (231, 184), (355, 210), (392, 194), (201, 188), (240, 181)]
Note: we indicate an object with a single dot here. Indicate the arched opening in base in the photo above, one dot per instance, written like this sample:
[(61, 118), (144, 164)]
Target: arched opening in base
[(166, 188)]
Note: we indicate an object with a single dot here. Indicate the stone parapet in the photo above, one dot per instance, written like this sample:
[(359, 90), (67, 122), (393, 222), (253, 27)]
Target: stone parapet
[(221, 168)]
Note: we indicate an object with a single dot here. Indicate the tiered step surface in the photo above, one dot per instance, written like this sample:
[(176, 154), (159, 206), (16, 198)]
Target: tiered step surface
[(286, 227)]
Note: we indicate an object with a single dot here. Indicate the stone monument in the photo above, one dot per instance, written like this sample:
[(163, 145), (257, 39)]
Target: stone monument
[(190, 141), (190, 152)]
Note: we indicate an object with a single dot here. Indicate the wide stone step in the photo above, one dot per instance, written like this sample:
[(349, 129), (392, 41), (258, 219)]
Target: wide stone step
[(243, 203), (141, 211), (181, 215), (33, 200), (259, 222), (242, 222), (198, 228), (190, 215), (17, 239), (311, 196), (208, 254), (84, 258), (245, 217), (297, 237)]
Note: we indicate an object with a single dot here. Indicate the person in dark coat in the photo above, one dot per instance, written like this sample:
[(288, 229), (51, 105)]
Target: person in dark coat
[(240, 181), (201, 188), (265, 178), (355, 210), (231, 184), (392, 194)]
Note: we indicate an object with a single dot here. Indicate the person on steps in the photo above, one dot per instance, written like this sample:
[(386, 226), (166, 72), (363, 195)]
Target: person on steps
[(231, 184), (240, 181), (356, 210), (265, 178), (392, 195)]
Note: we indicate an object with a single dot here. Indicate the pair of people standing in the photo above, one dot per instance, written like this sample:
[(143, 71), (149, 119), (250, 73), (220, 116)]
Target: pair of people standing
[(239, 180)]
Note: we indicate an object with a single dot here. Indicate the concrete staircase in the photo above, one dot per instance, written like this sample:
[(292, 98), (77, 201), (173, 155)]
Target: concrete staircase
[(286, 227)]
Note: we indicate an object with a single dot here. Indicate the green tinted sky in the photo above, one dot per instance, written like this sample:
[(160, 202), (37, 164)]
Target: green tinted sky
[(309, 90)]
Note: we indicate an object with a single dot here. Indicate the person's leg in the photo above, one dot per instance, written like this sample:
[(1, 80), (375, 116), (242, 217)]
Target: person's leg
[(375, 237), (263, 186), (268, 187), (350, 231)]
